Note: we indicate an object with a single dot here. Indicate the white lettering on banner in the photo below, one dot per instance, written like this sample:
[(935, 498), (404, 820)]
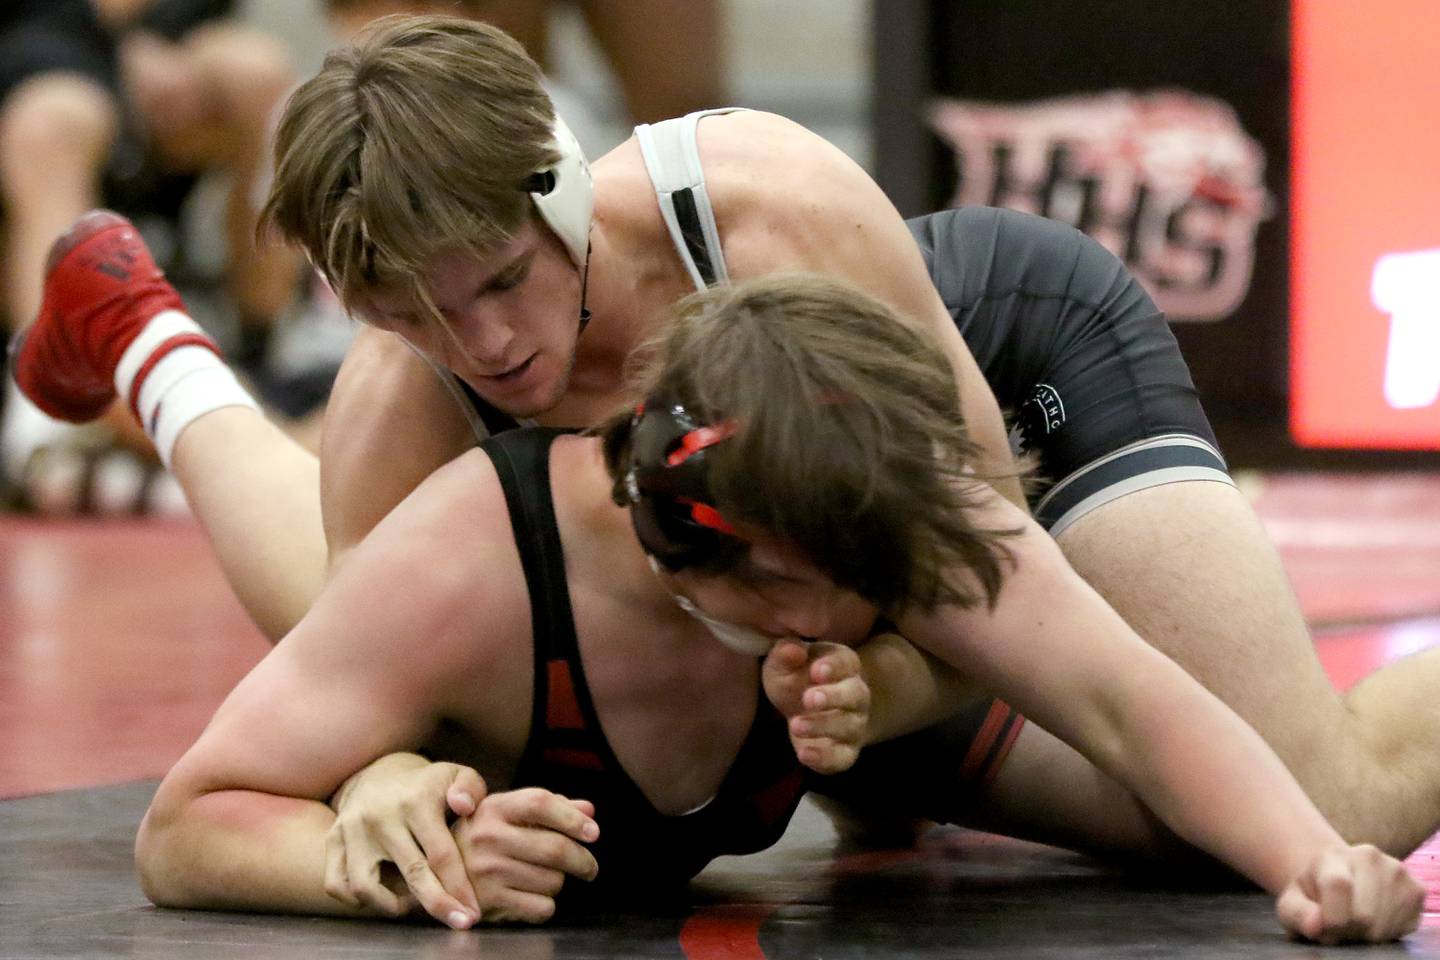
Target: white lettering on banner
[(1407, 287), (1167, 180)]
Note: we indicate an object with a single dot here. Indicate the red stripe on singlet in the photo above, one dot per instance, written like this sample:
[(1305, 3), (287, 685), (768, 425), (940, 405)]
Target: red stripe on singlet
[(575, 759), (774, 801), (997, 759), (975, 758), (562, 708)]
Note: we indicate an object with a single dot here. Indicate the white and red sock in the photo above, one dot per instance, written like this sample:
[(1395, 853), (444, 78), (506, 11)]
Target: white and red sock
[(171, 375)]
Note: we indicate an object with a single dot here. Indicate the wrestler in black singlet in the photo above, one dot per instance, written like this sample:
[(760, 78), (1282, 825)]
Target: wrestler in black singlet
[(567, 751)]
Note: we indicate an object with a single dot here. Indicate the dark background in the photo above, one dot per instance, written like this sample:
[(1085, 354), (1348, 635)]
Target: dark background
[(1016, 51)]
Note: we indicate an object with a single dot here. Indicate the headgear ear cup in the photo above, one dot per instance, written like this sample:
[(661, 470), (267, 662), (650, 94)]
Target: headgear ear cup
[(565, 197), (665, 484)]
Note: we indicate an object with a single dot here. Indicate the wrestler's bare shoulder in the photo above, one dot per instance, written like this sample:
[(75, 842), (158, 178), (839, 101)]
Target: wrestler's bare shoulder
[(453, 539), (755, 163), (767, 151), (447, 556), (389, 424), (380, 365), (785, 197)]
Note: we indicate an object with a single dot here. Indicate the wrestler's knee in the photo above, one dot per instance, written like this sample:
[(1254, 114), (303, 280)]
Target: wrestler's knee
[(250, 68), (56, 116)]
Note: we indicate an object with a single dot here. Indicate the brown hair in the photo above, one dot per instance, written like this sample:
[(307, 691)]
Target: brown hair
[(417, 139), (851, 446)]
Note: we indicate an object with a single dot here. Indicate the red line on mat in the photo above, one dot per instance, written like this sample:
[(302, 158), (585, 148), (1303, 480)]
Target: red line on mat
[(725, 932)]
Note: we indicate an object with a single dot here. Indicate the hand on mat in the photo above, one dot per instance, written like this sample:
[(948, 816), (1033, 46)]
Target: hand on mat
[(396, 811), (518, 848), (817, 687), (1351, 894)]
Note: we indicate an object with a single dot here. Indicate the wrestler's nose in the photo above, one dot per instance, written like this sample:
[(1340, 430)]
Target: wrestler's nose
[(481, 334), (809, 619)]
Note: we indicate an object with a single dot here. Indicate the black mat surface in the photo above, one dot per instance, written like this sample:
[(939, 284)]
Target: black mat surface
[(67, 890)]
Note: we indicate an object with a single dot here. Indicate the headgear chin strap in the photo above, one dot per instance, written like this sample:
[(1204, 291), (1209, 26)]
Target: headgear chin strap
[(564, 194), (664, 481)]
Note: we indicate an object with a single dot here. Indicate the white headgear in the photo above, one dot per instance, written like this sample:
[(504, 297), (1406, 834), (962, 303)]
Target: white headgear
[(564, 194)]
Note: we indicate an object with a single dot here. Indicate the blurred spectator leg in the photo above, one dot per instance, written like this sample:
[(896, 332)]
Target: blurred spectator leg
[(56, 130), (668, 57), (238, 76)]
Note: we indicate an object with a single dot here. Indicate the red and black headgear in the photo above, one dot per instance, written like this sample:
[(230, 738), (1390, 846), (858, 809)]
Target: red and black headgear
[(663, 477)]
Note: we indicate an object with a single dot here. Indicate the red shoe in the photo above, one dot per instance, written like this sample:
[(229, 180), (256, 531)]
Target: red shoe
[(101, 288)]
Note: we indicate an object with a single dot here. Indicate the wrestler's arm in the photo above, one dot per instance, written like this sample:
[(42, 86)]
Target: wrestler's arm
[(910, 688), (837, 699), (389, 424), (1057, 652), (241, 820), (817, 210)]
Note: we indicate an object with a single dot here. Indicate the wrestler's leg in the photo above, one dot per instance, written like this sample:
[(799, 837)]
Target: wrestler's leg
[(1047, 792), (988, 768), (111, 324), (56, 130), (389, 424), (1186, 563), (257, 494), (1189, 566), (248, 73)]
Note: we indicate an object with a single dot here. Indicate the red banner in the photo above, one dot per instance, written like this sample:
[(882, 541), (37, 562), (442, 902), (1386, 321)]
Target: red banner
[(1365, 224)]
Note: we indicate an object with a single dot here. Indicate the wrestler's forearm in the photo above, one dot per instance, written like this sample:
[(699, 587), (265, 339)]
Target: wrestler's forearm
[(237, 850), (909, 688), (1059, 654), (1214, 781)]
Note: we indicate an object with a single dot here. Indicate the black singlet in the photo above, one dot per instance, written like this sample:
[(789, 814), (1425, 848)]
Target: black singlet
[(567, 751)]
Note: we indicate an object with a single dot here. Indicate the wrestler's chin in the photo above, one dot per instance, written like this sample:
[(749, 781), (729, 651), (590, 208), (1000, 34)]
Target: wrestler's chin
[(526, 391)]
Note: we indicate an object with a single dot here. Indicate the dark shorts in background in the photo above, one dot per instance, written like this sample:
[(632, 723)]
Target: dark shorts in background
[(42, 36), (64, 36)]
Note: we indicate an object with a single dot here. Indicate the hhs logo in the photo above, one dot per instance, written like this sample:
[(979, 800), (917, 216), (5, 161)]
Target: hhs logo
[(1168, 181), (1407, 286)]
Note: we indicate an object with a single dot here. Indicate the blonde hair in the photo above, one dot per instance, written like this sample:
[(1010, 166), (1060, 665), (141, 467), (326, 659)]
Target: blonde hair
[(417, 139), (850, 443)]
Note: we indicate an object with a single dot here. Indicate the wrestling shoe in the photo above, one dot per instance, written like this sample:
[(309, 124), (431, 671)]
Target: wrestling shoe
[(102, 287)]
